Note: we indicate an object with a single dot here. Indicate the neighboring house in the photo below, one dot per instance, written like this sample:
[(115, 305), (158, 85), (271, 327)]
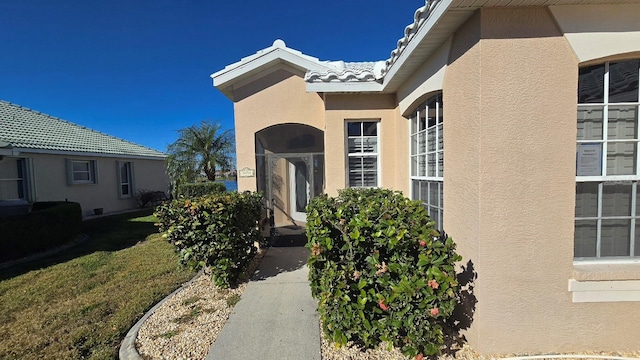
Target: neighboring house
[(515, 122), (43, 158)]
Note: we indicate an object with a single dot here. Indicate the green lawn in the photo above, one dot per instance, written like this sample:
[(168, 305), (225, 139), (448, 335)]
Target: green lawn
[(81, 303)]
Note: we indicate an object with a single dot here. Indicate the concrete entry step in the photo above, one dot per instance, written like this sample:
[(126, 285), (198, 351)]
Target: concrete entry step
[(286, 236)]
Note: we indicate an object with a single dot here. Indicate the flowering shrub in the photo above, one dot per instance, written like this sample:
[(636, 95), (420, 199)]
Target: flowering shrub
[(379, 270), (217, 231)]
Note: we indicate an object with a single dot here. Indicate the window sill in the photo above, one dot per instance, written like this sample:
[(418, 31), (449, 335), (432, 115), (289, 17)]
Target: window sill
[(605, 281), (605, 271)]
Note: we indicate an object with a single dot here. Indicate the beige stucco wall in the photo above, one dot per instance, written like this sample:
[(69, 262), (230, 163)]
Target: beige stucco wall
[(51, 181), (280, 97), (510, 131), (509, 83), (462, 96), (393, 150)]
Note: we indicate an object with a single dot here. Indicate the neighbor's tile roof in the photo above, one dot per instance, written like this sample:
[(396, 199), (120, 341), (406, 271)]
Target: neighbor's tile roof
[(24, 128)]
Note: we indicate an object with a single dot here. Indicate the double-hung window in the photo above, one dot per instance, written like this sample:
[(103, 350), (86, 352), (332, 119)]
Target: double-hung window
[(125, 179), (427, 156), (607, 212), (82, 172), (362, 153), (14, 179)]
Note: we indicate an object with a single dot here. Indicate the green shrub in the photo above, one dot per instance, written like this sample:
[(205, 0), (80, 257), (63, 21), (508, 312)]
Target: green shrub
[(379, 270), (200, 189), (48, 225), (217, 231), (146, 198)]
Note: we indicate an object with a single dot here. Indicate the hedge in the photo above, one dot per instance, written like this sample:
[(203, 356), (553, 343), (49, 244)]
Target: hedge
[(200, 189), (380, 271), (216, 231), (48, 225)]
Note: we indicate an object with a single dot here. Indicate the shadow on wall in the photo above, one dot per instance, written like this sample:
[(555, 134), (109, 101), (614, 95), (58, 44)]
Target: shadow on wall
[(462, 316), (279, 201)]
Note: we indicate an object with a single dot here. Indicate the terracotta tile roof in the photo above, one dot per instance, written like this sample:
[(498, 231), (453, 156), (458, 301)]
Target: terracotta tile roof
[(23, 128)]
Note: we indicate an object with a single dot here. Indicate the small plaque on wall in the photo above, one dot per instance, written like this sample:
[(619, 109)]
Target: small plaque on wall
[(246, 172)]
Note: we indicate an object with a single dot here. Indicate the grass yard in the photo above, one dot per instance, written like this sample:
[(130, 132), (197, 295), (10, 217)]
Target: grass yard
[(81, 303)]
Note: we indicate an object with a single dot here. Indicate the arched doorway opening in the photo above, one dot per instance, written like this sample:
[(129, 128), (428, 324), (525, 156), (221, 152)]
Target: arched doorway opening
[(290, 169)]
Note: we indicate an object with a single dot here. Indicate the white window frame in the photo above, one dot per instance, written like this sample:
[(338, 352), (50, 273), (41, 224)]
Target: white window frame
[(21, 180), (92, 171), (363, 154), (427, 175), (603, 178), (129, 180)]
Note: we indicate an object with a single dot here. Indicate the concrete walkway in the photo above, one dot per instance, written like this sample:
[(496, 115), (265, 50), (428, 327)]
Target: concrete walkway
[(276, 317)]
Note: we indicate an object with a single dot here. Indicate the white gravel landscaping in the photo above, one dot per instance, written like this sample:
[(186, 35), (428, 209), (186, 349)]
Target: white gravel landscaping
[(187, 324)]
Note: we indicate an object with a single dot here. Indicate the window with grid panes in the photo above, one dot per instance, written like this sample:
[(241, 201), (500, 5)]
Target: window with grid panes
[(362, 153), (427, 156), (607, 213)]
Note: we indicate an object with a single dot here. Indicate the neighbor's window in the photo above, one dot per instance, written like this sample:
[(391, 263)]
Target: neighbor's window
[(427, 156), (607, 222), (125, 177), (362, 154), (81, 172), (14, 179)]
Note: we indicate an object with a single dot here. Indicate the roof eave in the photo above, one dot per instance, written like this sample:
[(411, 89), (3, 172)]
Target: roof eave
[(344, 87), (19, 151), (399, 70), (224, 79)]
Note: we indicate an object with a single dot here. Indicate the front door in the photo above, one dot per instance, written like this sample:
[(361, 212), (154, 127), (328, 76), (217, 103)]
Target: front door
[(299, 189)]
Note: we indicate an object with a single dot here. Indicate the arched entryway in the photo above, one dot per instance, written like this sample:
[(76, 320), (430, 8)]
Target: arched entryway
[(290, 169)]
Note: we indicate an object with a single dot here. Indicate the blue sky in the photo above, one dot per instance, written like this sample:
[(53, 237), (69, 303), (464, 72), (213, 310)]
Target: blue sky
[(139, 69)]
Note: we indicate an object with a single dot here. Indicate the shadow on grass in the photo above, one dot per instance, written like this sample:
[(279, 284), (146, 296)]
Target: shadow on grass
[(109, 233)]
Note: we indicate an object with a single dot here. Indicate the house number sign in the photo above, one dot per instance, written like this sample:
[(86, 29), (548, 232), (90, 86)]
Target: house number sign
[(246, 172)]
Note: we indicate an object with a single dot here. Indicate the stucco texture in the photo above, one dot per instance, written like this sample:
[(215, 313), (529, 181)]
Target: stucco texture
[(510, 131), (280, 97), (393, 151)]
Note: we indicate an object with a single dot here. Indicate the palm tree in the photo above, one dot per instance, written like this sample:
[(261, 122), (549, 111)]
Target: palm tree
[(200, 149)]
